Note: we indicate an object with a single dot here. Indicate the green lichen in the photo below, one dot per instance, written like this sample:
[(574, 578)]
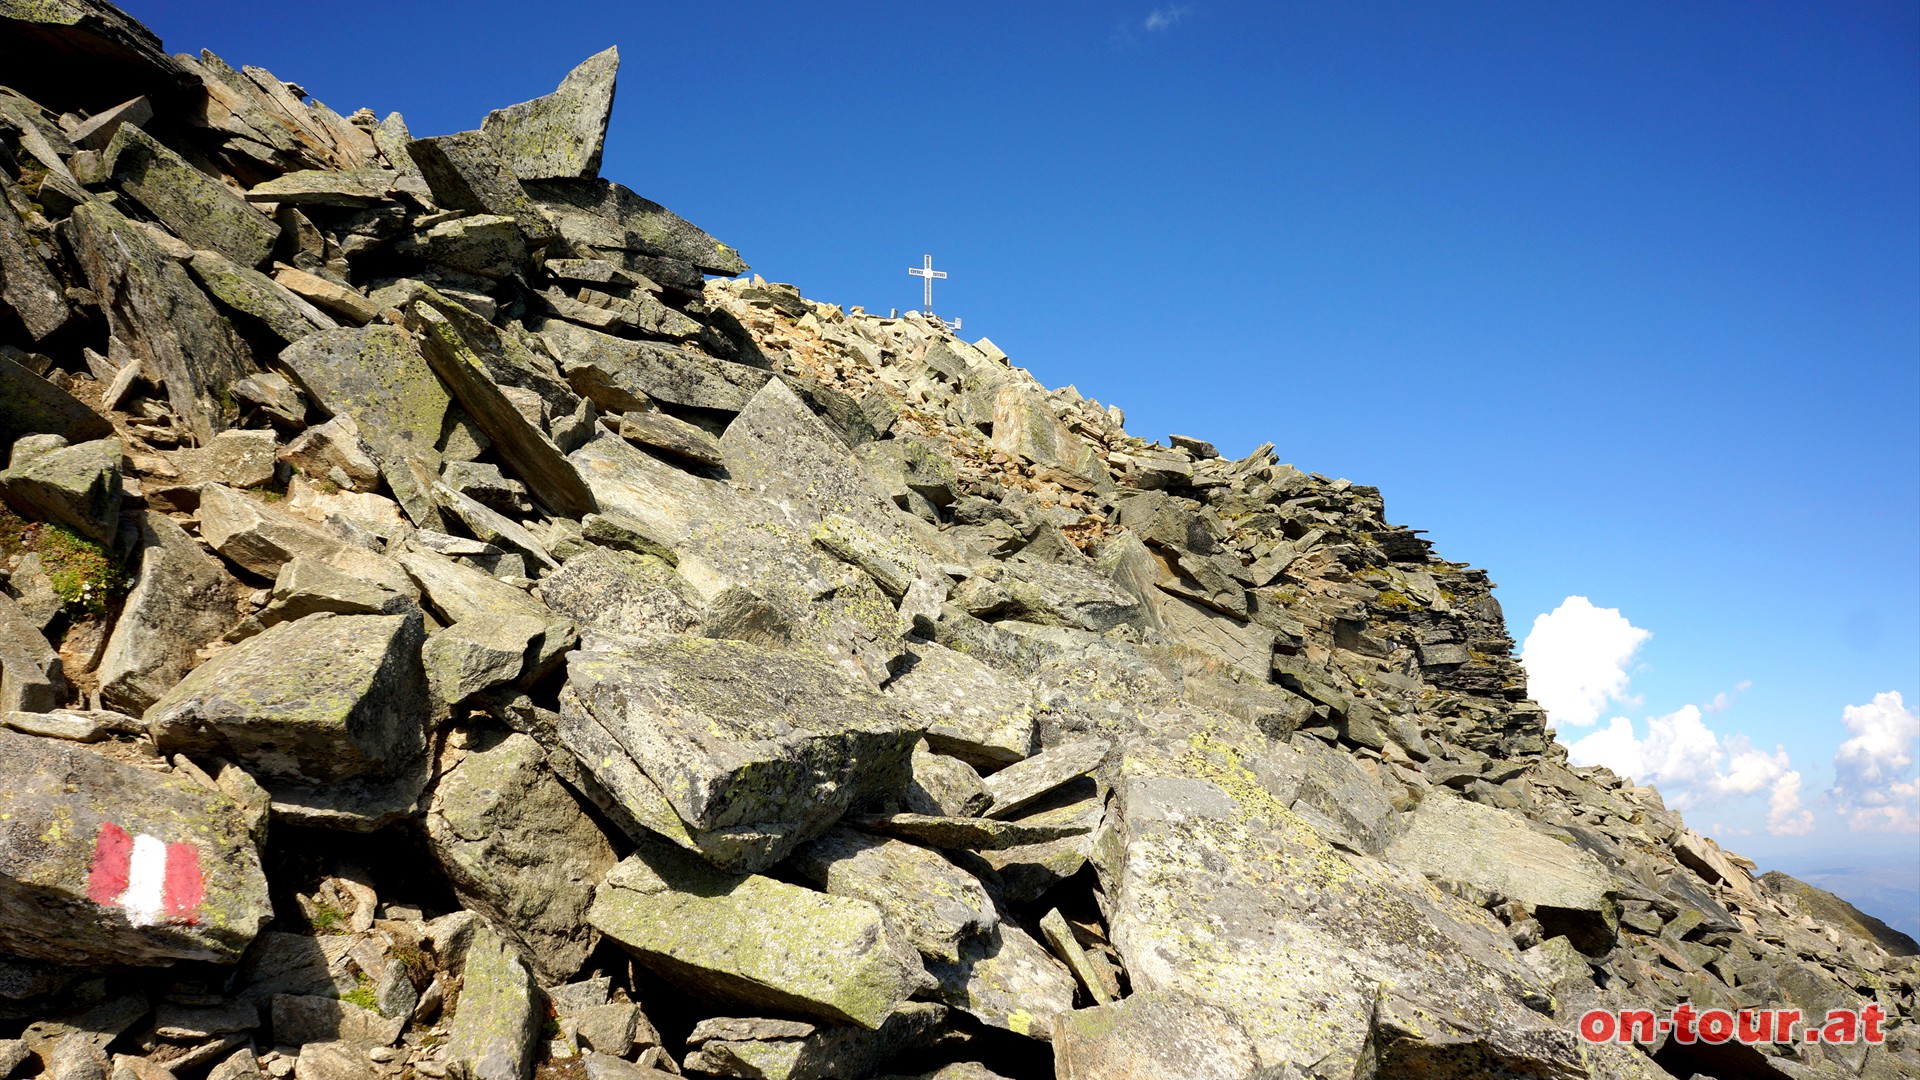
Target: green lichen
[(86, 578)]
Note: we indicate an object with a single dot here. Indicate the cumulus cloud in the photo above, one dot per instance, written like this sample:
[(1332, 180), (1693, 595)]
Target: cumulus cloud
[(1695, 767), (1874, 786), (1576, 659), (1163, 17)]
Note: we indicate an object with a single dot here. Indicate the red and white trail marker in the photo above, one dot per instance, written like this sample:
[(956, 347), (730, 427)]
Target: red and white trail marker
[(151, 880)]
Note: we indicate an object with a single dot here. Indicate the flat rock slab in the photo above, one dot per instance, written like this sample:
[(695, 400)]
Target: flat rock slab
[(496, 1025), (1009, 981), (30, 404), (196, 207), (1565, 887), (107, 863), (1152, 1035), (740, 736), (758, 941), (936, 903), (560, 135), (971, 711), (611, 218), (967, 834), (316, 709), (626, 376), (1016, 787), (518, 849)]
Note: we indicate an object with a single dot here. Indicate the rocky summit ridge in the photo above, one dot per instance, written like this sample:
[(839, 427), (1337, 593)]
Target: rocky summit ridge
[(455, 625)]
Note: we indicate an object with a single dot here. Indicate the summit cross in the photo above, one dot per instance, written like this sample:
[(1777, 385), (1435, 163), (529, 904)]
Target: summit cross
[(926, 270)]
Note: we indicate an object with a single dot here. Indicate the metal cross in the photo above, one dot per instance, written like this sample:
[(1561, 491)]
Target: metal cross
[(927, 271)]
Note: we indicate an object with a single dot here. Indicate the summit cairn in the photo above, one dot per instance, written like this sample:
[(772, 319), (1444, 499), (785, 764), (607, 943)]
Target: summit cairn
[(456, 625)]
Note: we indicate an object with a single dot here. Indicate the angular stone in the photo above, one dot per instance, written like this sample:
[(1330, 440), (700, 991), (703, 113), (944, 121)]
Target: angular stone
[(1566, 888), (1007, 980), (1053, 927), (153, 305), (489, 245), (531, 454), (193, 205), (751, 939), (466, 173), (619, 593), (344, 301), (181, 599), (236, 458), (1016, 786), (605, 217), (1213, 888), (305, 1018), (478, 654), (497, 1022), (792, 1050), (261, 537), (1028, 870), (29, 403), (559, 136), (31, 673), (26, 284), (1150, 1035), (250, 292), (493, 527), (77, 486), (1408, 1039), (336, 452), (328, 712), (944, 786), (935, 903), (519, 850), (108, 863), (458, 593), (1024, 425), (738, 737), (628, 376), (308, 586), (669, 435)]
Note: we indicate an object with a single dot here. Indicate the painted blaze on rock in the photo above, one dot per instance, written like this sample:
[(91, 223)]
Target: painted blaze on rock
[(102, 862)]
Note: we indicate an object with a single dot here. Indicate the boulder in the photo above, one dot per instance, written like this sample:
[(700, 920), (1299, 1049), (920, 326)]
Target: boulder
[(1566, 888), (248, 291), (934, 903), (1007, 980), (1151, 1035), (737, 738), (153, 305), (622, 594), (241, 459), (518, 849), (606, 218), (32, 675), (107, 863), (755, 940), (624, 376), (1018, 785), (559, 136), (465, 172), (30, 404), (458, 593), (77, 486), (486, 245), (193, 205), (181, 600), (27, 284), (328, 712)]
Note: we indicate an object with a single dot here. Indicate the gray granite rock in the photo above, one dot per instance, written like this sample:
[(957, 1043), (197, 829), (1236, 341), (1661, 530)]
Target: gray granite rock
[(196, 207), (77, 486), (559, 135), (182, 599)]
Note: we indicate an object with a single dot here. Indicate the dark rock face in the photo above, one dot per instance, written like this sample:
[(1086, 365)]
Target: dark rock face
[(574, 642)]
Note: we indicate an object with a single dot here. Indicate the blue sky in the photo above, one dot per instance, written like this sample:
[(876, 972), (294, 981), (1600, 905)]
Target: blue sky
[(1621, 302)]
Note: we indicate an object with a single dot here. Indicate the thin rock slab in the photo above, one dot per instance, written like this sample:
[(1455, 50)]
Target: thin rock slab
[(962, 834), (560, 135), (935, 903), (796, 1050), (182, 598), (27, 286), (328, 712), (755, 940), (30, 404), (608, 217), (628, 376), (620, 593), (740, 736), (1017, 786), (193, 205), (108, 863), (518, 849), (253, 293), (496, 1025)]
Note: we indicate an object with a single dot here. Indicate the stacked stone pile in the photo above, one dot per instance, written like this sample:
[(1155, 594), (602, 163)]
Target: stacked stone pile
[(454, 625)]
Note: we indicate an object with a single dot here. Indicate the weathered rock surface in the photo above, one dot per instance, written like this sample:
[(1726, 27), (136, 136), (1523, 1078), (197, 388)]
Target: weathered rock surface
[(559, 136), (77, 486), (181, 599), (936, 903)]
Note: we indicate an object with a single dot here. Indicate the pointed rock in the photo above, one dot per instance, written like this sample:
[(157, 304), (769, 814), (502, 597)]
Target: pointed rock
[(182, 599), (559, 136)]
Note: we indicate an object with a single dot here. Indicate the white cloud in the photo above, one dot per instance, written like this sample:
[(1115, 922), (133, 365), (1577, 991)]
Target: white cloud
[(1874, 785), (1576, 660), (1163, 17), (1725, 698), (1694, 767)]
